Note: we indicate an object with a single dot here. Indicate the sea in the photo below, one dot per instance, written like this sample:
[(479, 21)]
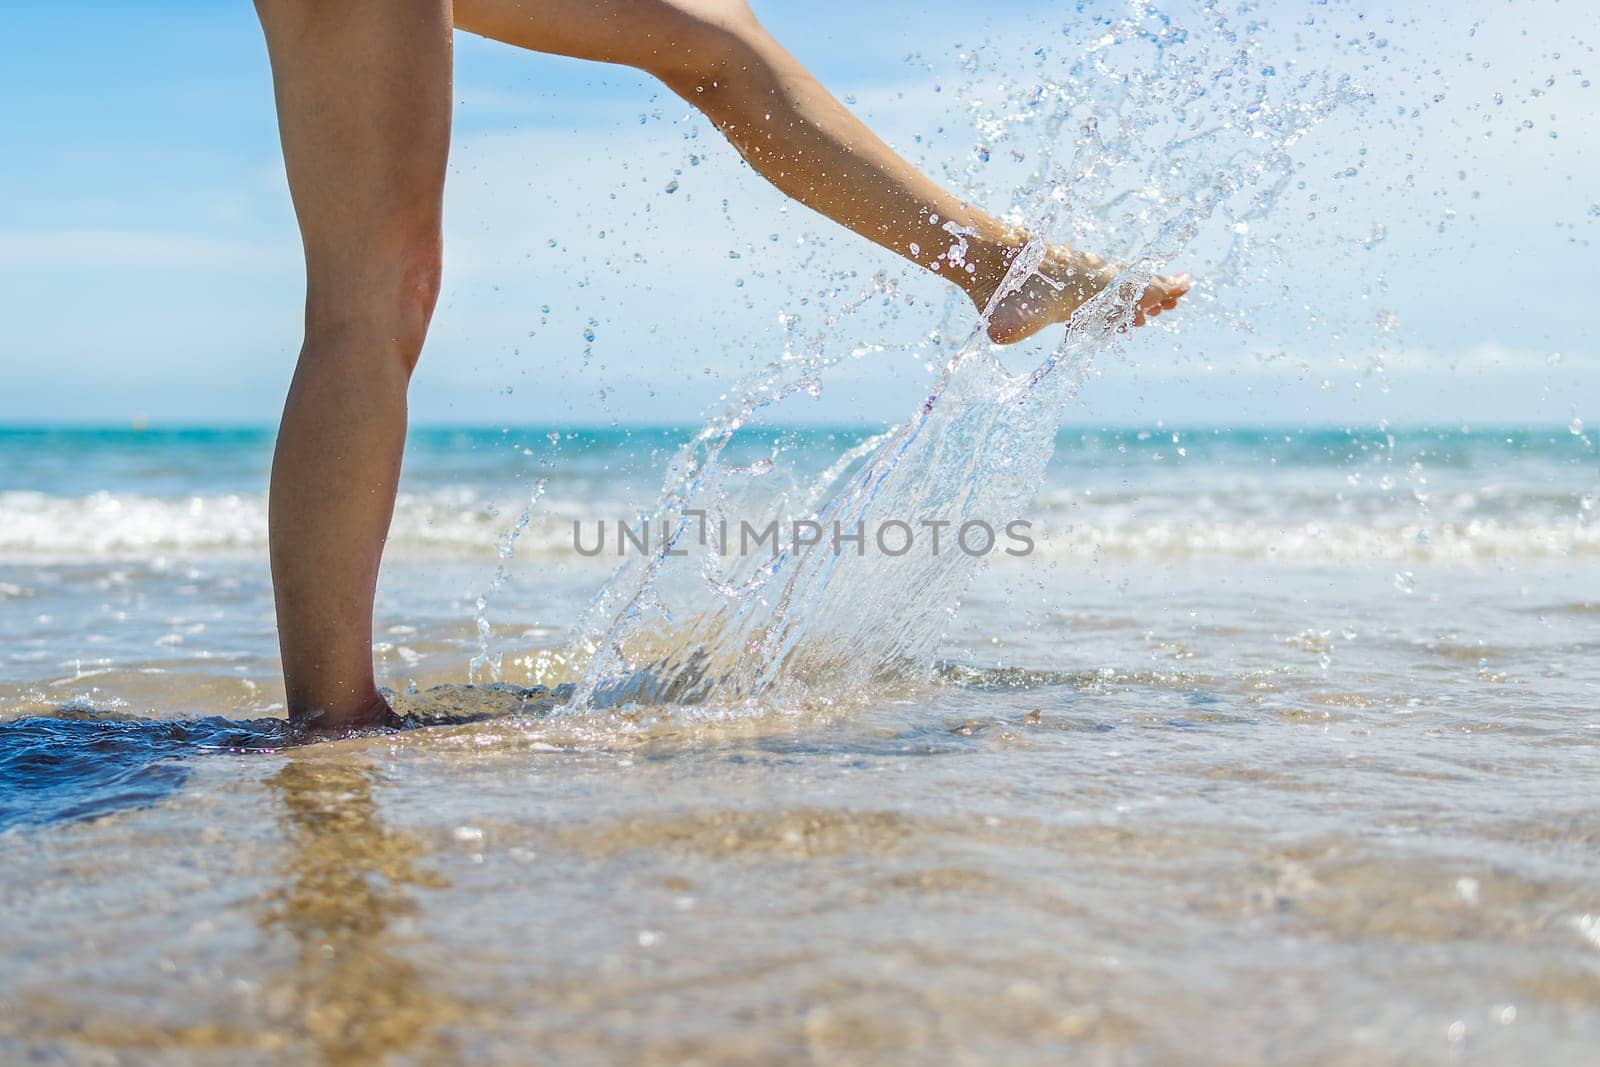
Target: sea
[(1280, 744)]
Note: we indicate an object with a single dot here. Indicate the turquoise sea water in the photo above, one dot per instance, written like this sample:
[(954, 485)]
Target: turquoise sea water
[(1283, 742), (197, 488), (123, 548)]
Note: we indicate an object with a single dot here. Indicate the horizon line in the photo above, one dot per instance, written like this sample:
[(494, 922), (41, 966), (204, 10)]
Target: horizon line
[(1160, 425)]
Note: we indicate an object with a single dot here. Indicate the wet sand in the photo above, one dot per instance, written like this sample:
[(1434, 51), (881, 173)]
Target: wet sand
[(1165, 830)]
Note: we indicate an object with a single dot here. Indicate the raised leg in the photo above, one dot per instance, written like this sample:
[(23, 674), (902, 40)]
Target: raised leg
[(363, 95), (717, 56)]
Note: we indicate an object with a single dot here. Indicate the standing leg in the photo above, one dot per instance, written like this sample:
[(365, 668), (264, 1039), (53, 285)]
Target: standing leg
[(716, 55), (363, 95)]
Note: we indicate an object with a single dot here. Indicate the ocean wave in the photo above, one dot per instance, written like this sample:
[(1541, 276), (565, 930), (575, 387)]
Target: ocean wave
[(1460, 543), (104, 525), (38, 527), (109, 524)]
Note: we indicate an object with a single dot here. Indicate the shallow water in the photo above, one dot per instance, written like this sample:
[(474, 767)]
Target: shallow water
[(1279, 747), (1223, 788)]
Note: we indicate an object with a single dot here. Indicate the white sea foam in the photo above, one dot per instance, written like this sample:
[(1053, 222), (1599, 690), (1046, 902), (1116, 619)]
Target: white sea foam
[(106, 524), (1299, 528), (35, 526)]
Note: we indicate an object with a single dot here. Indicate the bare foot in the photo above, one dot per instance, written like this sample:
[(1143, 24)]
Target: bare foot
[(374, 716), (1077, 277)]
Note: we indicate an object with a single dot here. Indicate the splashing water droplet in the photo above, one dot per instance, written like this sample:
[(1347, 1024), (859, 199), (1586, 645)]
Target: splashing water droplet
[(766, 626)]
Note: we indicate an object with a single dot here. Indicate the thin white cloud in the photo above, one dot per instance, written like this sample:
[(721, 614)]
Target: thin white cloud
[(1486, 356), (136, 250)]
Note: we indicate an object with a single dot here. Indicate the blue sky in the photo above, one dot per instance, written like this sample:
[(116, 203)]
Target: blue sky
[(149, 262)]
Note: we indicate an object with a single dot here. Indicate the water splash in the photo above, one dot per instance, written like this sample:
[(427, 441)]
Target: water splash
[(505, 550), (1151, 136)]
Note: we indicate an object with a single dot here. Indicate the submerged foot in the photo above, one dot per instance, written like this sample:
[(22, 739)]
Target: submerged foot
[(372, 716), (1070, 279)]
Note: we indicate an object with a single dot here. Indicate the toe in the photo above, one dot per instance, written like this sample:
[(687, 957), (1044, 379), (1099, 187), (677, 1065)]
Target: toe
[(1164, 293)]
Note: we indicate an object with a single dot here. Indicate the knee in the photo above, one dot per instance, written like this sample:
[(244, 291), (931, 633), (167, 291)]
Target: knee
[(421, 277), (707, 46), (380, 307)]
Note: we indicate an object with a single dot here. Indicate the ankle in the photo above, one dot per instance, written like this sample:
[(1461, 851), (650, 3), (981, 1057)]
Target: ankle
[(343, 717), (991, 260)]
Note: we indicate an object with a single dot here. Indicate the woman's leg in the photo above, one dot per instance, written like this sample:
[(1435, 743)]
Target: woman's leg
[(716, 55), (363, 94)]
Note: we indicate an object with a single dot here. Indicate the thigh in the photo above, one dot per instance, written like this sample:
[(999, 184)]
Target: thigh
[(363, 96), (653, 35)]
